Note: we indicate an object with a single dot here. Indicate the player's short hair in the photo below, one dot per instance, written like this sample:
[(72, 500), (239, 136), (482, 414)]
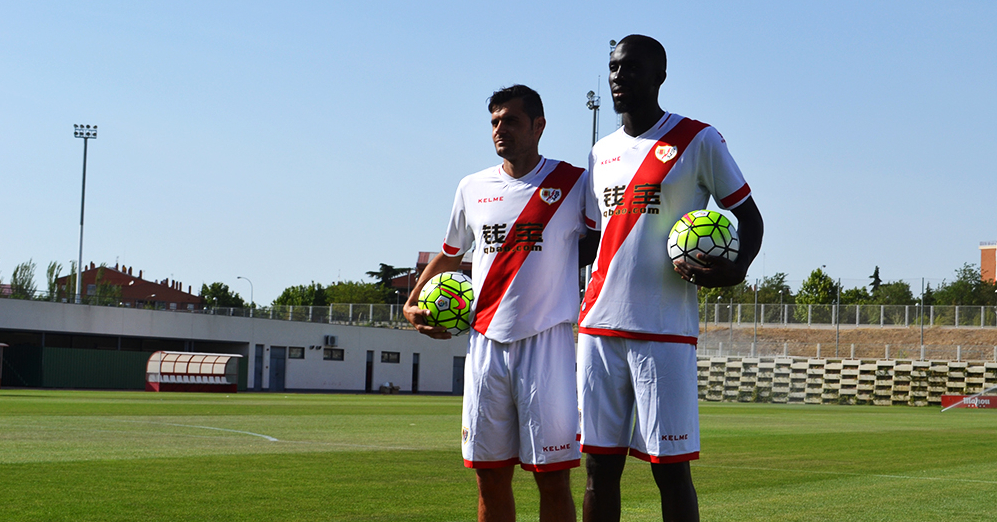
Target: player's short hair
[(532, 105), (652, 46)]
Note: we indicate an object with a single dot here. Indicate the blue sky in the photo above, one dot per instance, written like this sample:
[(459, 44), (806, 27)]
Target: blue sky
[(306, 141)]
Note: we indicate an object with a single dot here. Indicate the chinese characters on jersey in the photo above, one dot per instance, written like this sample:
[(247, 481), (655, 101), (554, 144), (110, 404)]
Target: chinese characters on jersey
[(640, 201), (498, 237)]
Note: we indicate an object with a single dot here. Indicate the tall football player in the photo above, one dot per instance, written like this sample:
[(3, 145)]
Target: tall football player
[(639, 320)]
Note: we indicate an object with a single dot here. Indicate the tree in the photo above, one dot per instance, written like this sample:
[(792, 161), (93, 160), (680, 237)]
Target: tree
[(740, 293), (51, 275), (22, 281), (225, 297), (768, 290), (876, 281), (302, 295), (894, 293), (357, 292), (968, 288), (857, 295), (818, 289), (386, 273), (104, 291)]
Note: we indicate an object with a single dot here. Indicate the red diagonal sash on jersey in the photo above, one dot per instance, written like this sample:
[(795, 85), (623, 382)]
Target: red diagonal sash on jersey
[(651, 171), (507, 263)]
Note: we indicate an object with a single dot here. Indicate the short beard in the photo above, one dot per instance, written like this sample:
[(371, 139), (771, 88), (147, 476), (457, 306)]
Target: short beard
[(621, 107)]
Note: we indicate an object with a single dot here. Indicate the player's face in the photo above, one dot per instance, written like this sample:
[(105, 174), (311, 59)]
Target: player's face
[(634, 78), (513, 133)]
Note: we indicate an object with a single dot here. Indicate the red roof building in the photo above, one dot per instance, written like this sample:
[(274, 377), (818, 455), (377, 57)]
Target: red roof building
[(100, 285), (404, 283)]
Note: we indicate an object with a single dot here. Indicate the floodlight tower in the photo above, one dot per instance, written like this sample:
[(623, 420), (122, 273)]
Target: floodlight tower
[(86, 132), (593, 105)]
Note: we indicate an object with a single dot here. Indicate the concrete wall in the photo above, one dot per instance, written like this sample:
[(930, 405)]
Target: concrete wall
[(840, 381), (310, 373)]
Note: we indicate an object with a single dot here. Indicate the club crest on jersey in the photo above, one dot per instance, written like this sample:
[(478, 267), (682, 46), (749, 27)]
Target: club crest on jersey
[(665, 153), (464, 434), (550, 195)]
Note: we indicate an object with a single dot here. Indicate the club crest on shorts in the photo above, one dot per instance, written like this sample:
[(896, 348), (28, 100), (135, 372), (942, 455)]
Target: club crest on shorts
[(464, 435), (550, 195), (665, 153)]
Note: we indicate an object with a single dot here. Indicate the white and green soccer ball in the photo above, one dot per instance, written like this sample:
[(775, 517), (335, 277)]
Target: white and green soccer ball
[(449, 297), (702, 231)]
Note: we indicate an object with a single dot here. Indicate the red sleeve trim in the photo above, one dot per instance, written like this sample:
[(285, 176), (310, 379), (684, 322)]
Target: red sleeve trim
[(490, 464), (640, 336), (664, 459), (554, 466), (591, 224), (449, 250), (602, 450), (737, 197)]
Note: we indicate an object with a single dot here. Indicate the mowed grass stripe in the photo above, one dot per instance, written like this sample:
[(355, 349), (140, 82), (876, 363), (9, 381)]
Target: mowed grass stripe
[(126, 456)]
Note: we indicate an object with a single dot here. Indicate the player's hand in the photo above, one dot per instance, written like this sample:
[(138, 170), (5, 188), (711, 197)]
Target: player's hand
[(417, 316), (717, 272)]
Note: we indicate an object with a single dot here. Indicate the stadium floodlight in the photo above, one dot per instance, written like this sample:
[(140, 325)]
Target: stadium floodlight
[(87, 132), (593, 105)]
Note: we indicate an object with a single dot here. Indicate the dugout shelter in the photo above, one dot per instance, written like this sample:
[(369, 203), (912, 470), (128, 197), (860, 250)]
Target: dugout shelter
[(192, 372)]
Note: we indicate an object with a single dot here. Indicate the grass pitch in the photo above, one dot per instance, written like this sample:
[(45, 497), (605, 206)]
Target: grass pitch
[(125, 456)]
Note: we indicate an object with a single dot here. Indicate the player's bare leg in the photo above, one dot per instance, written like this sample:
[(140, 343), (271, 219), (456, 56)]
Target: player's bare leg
[(495, 501), (678, 495), (556, 504), (602, 488)]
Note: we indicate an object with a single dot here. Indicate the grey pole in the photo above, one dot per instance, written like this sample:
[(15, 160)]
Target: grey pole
[(86, 132), (251, 300)]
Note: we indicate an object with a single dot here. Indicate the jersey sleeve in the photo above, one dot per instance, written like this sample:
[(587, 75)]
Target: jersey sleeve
[(721, 175), (459, 237), (592, 218)]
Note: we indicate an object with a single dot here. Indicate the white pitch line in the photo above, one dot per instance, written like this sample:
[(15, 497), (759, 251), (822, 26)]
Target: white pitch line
[(905, 477), (268, 437)]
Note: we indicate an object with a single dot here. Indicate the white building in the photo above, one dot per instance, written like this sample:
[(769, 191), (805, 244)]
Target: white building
[(278, 355)]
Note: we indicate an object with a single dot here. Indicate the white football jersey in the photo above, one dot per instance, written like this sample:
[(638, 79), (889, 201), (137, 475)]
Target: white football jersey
[(642, 185), (525, 236)]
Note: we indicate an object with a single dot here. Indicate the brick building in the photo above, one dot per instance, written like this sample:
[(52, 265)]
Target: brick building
[(100, 283), (404, 283), (988, 260)]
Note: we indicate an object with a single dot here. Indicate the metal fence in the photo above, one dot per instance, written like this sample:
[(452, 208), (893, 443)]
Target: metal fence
[(383, 315), (720, 346), (855, 315), (719, 321)]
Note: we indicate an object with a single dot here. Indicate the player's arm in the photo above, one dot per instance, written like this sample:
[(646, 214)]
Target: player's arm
[(417, 316), (720, 271), (588, 247)]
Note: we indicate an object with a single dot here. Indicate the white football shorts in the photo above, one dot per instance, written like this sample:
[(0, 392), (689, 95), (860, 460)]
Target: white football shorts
[(638, 397), (519, 402)]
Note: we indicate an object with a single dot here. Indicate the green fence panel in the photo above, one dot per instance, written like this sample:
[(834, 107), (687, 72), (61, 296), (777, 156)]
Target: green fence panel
[(100, 369), (22, 366)]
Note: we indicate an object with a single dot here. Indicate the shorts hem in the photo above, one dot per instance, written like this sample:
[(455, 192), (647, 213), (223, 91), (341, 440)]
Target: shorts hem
[(602, 450), (490, 464), (664, 459), (553, 466)]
